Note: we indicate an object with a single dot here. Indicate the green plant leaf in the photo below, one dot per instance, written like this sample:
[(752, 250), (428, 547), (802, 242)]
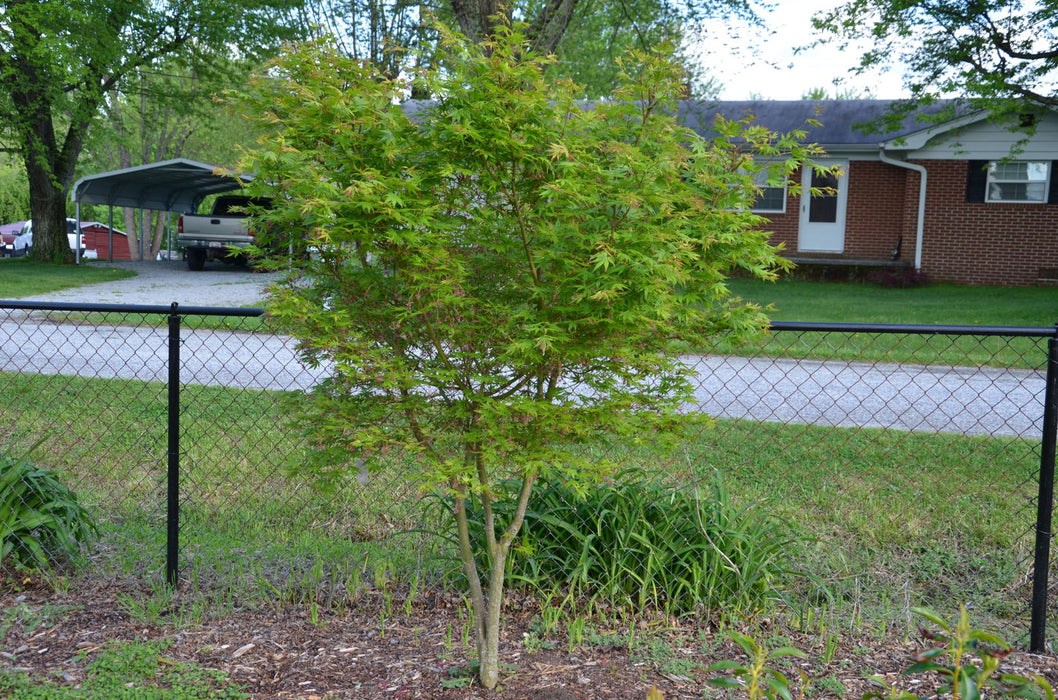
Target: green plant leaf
[(43, 524), (727, 665), (932, 617), (779, 685), (968, 689), (926, 667)]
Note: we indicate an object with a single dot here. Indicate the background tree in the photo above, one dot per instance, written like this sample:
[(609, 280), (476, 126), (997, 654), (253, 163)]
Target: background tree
[(58, 61), (386, 33), (999, 54), (501, 275), (586, 35), (835, 93), (14, 195), (604, 30)]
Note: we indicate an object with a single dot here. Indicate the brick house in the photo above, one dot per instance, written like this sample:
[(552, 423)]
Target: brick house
[(965, 200)]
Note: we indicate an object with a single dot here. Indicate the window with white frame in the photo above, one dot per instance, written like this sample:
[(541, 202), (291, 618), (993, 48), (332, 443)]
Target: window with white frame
[(772, 197), (1018, 181)]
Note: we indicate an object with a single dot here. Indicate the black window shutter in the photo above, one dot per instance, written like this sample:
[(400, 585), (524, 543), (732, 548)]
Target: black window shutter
[(1052, 194), (976, 180)]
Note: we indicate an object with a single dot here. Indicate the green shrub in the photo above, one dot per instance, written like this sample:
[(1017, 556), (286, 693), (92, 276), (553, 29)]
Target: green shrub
[(641, 542), (41, 521)]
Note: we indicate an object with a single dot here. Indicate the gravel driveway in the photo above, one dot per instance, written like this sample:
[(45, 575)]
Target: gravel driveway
[(163, 282)]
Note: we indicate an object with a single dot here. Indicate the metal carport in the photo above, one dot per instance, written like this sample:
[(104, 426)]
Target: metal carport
[(177, 185)]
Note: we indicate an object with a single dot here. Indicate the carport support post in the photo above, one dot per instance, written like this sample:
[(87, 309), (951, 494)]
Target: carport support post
[(110, 232), (172, 538), (1045, 502)]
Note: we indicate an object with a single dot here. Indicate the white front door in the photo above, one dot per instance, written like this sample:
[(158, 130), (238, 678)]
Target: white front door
[(822, 227)]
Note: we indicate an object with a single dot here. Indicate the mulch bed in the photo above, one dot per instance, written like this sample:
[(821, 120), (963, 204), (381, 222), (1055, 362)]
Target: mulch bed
[(382, 648)]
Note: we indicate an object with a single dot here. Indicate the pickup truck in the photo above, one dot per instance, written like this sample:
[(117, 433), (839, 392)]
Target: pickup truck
[(218, 235)]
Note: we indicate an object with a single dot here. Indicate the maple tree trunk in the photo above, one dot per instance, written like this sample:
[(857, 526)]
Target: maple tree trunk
[(48, 209)]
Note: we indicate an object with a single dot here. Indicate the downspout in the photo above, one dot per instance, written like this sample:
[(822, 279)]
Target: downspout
[(920, 224)]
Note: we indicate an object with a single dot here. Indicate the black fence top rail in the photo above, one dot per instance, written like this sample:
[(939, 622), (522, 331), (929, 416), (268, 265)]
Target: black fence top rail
[(913, 329), (174, 308), (917, 329)]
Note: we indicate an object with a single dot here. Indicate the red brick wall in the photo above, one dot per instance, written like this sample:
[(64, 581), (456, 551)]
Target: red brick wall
[(965, 243), (783, 227), (983, 243), (875, 218)]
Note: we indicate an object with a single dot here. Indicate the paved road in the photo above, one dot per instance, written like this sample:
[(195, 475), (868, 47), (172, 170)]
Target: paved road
[(907, 397), (209, 357), (248, 360), (964, 400)]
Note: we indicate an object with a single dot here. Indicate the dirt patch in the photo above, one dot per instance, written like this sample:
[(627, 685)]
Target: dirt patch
[(386, 647)]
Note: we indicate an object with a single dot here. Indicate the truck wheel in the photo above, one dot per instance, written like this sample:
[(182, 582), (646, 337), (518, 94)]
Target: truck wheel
[(196, 259)]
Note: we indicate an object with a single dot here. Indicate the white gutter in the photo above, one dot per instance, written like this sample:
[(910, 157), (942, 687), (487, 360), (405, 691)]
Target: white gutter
[(920, 224)]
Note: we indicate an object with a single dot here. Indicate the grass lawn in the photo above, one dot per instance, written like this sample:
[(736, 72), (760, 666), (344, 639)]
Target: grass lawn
[(939, 304), (833, 302), (892, 519), (20, 277)]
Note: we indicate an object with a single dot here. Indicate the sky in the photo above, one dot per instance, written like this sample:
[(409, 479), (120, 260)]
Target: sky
[(776, 72)]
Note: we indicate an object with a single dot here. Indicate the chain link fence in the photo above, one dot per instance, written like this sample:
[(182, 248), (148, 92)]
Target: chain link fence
[(906, 461)]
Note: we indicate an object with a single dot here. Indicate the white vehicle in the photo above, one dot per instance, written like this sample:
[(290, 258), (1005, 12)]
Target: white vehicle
[(24, 240)]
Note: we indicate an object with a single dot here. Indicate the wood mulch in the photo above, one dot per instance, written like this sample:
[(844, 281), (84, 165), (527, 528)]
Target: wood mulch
[(385, 648)]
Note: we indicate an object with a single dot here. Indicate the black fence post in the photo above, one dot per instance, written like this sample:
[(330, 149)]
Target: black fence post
[(172, 539), (1045, 502)]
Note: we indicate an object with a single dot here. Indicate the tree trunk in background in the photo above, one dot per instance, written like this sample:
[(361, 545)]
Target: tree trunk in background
[(47, 204), (129, 215)]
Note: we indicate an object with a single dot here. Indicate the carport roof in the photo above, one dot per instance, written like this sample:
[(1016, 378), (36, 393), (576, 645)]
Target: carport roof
[(170, 185)]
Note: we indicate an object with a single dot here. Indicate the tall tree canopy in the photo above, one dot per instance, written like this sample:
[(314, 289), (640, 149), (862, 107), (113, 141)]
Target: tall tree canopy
[(996, 53), (382, 32), (603, 30), (587, 36), (59, 60)]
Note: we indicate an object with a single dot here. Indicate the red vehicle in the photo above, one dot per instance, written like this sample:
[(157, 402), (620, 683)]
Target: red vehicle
[(7, 238)]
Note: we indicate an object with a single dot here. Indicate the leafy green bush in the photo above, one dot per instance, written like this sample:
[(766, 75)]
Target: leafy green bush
[(643, 543), (41, 521)]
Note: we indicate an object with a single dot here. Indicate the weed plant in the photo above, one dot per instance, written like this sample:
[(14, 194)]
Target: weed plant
[(760, 678), (962, 660), (642, 542), (132, 670)]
